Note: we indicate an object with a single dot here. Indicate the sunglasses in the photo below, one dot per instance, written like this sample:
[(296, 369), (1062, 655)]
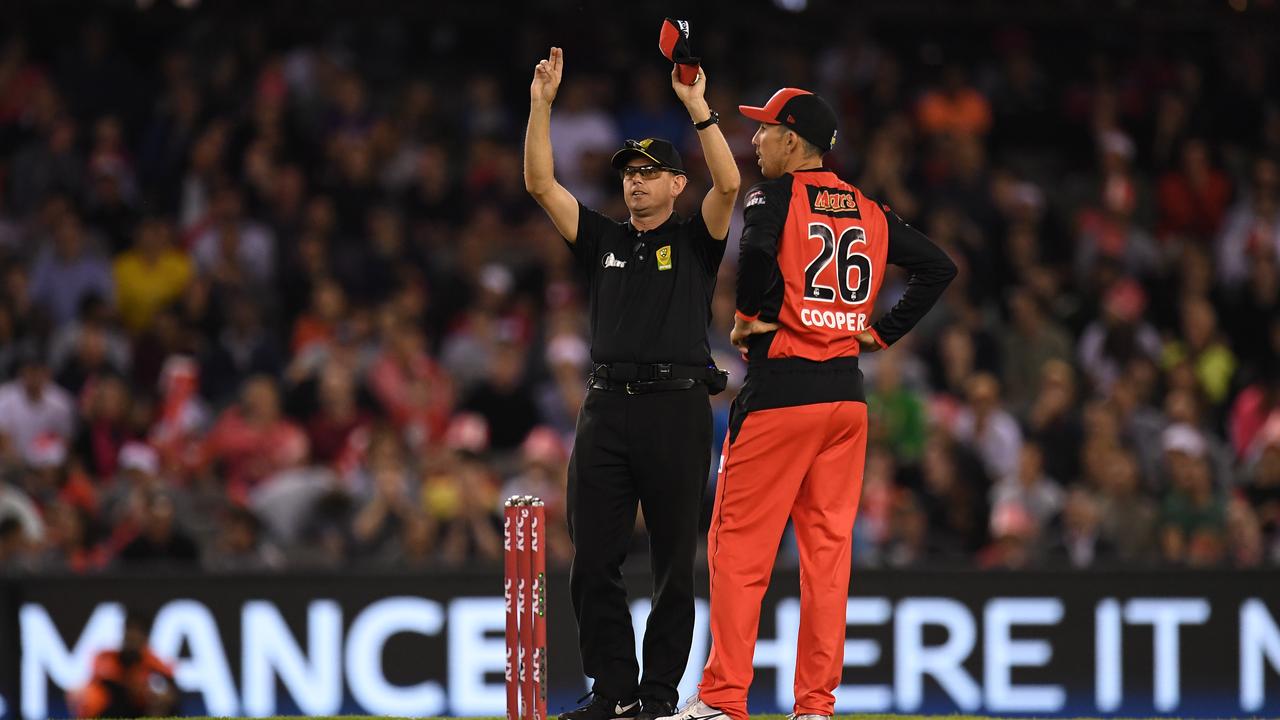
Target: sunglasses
[(648, 172)]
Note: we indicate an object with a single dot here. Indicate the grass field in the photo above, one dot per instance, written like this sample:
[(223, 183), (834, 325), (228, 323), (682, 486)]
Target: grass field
[(753, 718)]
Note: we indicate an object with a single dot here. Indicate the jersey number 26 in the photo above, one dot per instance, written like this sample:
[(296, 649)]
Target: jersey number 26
[(846, 261)]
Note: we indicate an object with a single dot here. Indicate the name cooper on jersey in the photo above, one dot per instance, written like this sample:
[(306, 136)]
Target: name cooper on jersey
[(853, 322)]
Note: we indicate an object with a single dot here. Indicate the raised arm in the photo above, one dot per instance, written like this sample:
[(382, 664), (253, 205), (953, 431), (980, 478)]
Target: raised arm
[(539, 169), (717, 206)]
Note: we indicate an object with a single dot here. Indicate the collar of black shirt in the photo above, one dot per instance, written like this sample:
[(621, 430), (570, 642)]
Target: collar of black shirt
[(671, 224)]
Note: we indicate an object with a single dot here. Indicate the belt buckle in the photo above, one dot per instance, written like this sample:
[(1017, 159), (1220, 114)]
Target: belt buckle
[(630, 388), (664, 371)]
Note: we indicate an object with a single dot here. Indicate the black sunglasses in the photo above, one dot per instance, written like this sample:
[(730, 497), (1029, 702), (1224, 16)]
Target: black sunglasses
[(648, 172)]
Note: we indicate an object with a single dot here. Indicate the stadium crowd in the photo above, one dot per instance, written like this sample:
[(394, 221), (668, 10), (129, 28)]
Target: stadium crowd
[(277, 298)]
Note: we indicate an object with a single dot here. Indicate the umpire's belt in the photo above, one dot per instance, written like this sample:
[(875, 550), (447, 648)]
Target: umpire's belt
[(635, 379)]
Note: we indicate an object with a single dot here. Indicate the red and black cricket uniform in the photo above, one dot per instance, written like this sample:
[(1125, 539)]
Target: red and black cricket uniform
[(813, 257)]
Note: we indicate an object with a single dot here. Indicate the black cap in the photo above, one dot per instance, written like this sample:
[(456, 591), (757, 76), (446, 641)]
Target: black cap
[(807, 114), (658, 150)]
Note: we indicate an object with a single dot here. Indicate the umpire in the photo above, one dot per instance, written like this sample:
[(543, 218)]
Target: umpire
[(644, 433)]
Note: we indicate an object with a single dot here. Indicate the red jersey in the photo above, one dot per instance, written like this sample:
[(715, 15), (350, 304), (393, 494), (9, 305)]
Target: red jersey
[(813, 258)]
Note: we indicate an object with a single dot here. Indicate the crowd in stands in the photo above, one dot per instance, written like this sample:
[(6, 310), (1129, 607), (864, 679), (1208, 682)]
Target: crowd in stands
[(278, 299)]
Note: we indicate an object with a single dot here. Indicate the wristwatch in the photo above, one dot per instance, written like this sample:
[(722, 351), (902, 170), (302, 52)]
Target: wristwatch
[(713, 120)]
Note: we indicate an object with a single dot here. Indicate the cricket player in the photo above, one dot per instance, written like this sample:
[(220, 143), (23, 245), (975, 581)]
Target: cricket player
[(813, 257)]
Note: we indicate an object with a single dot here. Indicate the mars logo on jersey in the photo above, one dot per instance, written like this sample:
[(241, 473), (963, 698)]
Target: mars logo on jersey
[(832, 201)]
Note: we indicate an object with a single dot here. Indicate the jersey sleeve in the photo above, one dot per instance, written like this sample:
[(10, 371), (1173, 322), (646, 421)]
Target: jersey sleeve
[(591, 227), (929, 271), (710, 251), (764, 213)]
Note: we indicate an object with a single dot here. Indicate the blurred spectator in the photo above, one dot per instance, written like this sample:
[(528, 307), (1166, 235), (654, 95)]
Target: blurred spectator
[(150, 276), (954, 501), (72, 543), (91, 359), (873, 531), (581, 135), (89, 344), (1194, 198), (1263, 489), (504, 400), (160, 543), (1082, 542), (232, 249), (1039, 496), (1128, 516), (49, 164), (1251, 230), (1054, 423), (908, 541), (1193, 519), (1014, 537), (339, 427), (560, 396), (241, 545), (543, 474), (377, 526), (32, 407), (252, 440), (320, 323), (410, 386), (243, 349), (1250, 311), (897, 415), (1245, 548), (106, 429), (1110, 231), (1035, 339), (955, 107), (67, 272), (989, 429), (1211, 360), (459, 493), (1118, 337)]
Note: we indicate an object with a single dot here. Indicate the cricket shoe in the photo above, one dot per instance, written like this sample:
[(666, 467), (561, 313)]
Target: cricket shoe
[(695, 709), (794, 716), (654, 709), (601, 708)]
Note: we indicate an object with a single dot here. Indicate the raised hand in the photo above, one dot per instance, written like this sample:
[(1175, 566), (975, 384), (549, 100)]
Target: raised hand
[(689, 93), (546, 77)]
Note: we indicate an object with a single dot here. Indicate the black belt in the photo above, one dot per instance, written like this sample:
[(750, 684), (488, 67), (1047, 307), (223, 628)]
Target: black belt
[(640, 387), (648, 372)]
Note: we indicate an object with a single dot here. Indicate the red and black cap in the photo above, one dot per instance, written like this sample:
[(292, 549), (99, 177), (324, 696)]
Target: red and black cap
[(807, 114), (657, 150)]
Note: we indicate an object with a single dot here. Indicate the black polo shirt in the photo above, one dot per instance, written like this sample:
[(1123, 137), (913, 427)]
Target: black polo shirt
[(649, 292)]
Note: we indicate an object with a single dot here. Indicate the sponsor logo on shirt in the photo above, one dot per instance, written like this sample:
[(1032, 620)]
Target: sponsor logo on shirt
[(663, 257), (612, 262), (833, 201), (755, 197)]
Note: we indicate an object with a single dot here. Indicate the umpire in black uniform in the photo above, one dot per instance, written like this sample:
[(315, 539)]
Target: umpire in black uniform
[(644, 433)]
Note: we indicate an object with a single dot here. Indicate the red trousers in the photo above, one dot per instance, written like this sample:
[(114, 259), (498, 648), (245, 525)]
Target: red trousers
[(805, 463)]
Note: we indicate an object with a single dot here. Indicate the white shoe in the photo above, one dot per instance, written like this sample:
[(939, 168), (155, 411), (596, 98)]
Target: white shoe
[(794, 716), (695, 709)]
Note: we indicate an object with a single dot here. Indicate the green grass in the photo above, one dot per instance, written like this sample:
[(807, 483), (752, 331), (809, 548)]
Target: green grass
[(753, 717)]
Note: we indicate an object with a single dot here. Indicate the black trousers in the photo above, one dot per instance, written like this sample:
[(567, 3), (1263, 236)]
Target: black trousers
[(653, 449)]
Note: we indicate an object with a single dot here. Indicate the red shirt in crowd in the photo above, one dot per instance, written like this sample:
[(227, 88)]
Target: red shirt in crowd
[(249, 452)]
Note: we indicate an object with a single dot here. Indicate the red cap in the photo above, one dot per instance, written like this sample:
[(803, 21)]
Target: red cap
[(771, 111), (802, 111)]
